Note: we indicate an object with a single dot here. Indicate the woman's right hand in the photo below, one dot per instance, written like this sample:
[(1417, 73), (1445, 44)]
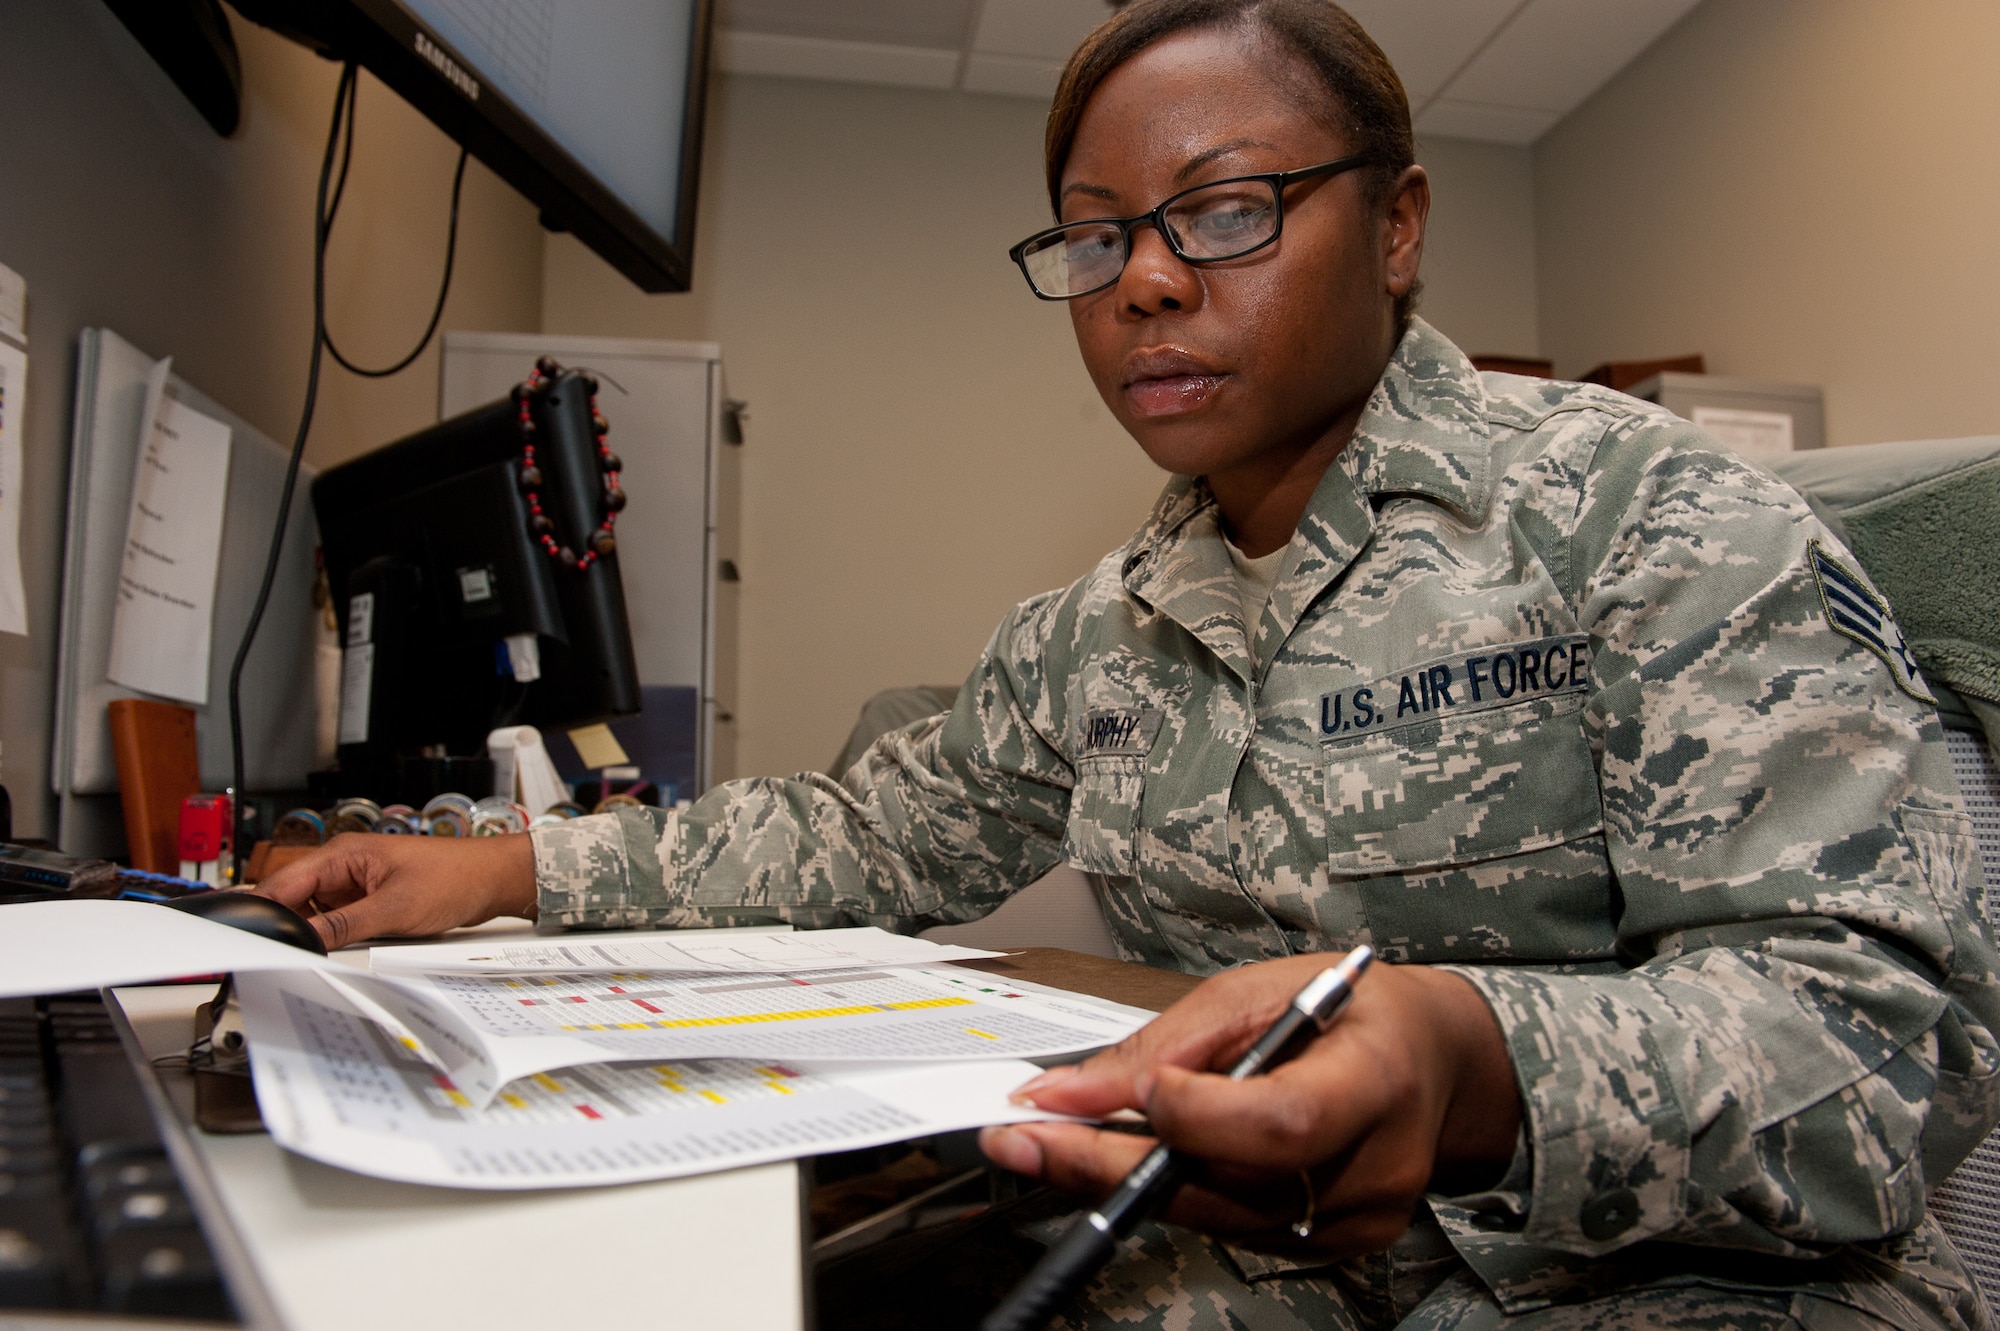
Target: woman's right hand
[(366, 885)]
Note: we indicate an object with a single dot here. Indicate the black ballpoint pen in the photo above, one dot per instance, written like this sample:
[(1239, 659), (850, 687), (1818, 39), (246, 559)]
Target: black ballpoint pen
[(1091, 1241)]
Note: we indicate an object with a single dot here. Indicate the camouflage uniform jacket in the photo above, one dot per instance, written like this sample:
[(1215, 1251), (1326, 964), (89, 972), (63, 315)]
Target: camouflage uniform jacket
[(1552, 691)]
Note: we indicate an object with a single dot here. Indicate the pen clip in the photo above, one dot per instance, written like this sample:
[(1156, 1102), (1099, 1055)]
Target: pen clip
[(1327, 994)]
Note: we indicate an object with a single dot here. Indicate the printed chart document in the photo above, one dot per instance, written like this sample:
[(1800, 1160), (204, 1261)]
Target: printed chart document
[(161, 622), (549, 1078), (485, 1031), (13, 417), (692, 951), (335, 1086)]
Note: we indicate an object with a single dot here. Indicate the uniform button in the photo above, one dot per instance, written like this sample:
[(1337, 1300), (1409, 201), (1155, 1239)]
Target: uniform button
[(1609, 1216)]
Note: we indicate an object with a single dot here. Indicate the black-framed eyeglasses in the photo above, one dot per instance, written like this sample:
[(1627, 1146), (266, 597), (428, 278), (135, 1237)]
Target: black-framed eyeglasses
[(1224, 219)]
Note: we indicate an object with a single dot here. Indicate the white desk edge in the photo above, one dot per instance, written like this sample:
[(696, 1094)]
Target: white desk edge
[(312, 1248)]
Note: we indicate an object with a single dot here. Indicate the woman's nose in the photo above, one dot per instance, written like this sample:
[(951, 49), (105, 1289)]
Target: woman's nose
[(1156, 279)]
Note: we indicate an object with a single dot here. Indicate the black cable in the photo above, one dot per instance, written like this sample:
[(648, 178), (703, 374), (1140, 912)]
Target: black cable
[(450, 251), (353, 103), (320, 222)]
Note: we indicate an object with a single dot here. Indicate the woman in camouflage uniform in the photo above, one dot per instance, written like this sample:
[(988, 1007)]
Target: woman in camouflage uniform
[(1525, 683)]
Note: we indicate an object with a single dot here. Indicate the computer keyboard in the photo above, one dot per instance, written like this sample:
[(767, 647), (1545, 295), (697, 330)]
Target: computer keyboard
[(93, 1218)]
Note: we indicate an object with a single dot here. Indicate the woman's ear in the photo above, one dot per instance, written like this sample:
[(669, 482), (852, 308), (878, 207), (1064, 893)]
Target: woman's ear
[(1408, 213)]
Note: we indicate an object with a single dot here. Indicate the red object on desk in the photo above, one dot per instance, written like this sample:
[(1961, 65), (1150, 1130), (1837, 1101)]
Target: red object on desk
[(204, 827)]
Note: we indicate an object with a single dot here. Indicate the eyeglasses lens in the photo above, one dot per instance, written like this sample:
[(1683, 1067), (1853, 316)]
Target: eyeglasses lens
[(1076, 259), (1230, 219)]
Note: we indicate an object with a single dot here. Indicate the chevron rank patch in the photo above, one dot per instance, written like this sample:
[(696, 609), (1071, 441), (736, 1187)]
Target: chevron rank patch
[(1855, 611)]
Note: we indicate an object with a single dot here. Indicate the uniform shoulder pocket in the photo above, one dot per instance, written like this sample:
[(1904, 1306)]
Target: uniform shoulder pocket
[(1946, 849)]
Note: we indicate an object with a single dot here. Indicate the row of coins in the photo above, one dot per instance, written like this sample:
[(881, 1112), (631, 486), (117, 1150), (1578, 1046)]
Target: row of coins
[(449, 815)]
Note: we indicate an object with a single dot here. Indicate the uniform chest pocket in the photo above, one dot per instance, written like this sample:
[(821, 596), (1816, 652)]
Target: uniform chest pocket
[(1467, 788), (1102, 833)]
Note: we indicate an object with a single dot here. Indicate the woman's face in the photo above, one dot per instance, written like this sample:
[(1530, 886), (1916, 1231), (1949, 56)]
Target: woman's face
[(1241, 366)]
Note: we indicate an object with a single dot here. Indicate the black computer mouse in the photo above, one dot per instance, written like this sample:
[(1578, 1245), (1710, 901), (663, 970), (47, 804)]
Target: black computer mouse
[(258, 915)]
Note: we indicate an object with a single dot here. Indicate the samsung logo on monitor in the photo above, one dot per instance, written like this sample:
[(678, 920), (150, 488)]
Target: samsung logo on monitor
[(448, 67)]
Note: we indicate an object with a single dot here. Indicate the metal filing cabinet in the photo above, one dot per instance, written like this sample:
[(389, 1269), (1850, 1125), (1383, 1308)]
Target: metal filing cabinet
[(1756, 417), (680, 440)]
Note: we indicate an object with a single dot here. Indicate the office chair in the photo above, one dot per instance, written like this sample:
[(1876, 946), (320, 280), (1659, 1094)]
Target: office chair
[(1922, 518)]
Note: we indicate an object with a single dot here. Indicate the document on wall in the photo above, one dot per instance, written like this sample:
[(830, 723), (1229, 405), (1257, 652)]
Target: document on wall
[(13, 306), (338, 1087), (691, 951), (13, 420), (163, 619)]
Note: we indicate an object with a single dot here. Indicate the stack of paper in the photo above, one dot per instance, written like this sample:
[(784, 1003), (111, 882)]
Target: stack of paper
[(599, 1059)]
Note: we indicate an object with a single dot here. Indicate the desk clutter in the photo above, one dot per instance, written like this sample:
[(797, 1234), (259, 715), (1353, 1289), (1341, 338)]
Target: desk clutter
[(176, 829)]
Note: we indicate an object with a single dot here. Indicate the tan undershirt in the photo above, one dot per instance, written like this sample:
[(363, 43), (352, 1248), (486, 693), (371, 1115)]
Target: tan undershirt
[(1254, 580)]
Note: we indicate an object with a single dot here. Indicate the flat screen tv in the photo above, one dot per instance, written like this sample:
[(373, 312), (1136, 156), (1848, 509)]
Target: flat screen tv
[(590, 108)]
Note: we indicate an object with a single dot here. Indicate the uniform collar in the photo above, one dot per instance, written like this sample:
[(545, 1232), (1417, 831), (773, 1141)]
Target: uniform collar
[(1423, 433), (1424, 430)]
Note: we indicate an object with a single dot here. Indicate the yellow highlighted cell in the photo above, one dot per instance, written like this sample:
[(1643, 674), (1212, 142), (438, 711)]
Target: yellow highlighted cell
[(981, 1034), (546, 1082), (795, 1014), (713, 1098)]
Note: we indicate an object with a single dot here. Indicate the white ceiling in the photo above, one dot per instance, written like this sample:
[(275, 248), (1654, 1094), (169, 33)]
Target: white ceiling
[(1499, 70)]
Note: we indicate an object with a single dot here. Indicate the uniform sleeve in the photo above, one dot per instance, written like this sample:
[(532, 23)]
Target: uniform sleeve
[(1803, 1034), (938, 823)]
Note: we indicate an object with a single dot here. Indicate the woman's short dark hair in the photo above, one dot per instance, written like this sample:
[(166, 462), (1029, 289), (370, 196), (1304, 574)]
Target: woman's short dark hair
[(1356, 90)]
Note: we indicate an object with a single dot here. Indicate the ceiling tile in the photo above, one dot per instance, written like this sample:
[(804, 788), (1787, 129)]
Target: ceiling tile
[(1452, 119), (1043, 29), (1558, 52), (1427, 40), (1011, 75), (841, 62), (931, 23)]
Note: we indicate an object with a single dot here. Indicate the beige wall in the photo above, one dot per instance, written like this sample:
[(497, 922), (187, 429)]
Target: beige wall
[(1479, 256), (1800, 190), (925, 449), (122, 209)]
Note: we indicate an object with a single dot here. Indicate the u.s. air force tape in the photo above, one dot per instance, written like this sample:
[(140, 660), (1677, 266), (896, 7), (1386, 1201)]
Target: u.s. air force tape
[(1474, 681)]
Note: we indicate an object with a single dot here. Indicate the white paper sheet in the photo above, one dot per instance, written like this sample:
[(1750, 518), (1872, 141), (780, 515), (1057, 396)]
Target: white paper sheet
[(692, 951), (13, 418), (331, 1086), (52, 947), (161, 626), (1755, 434), (486, 1030)]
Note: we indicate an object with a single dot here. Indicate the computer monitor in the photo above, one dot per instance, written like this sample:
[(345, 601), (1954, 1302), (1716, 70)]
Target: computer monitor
[(593, 111), (436, 558)]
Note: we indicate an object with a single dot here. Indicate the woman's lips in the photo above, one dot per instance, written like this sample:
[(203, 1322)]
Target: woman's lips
[(1166, 381), (1171, 394)]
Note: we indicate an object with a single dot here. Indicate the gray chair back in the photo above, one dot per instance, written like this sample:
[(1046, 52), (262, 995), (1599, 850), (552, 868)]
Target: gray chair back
[(1967, 1204)]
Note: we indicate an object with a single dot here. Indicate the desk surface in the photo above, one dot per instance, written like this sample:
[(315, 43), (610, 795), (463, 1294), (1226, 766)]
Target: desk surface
[(324, 1249), (335, 1251)]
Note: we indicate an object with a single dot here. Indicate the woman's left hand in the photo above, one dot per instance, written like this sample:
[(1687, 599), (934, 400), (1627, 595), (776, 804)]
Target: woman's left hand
[(1411, 1091)]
